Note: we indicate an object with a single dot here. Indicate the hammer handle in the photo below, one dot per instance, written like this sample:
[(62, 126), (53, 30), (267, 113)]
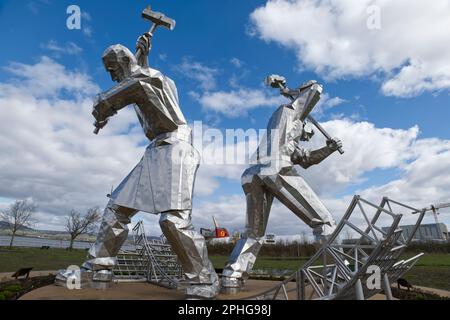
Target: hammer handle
[(322, 130), (152, 29), (314, 122)]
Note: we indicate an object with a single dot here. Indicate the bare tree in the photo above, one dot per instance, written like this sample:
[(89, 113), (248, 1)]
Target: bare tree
[(78, 224), (18, 215)]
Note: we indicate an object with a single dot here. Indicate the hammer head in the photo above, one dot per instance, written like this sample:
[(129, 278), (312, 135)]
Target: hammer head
[(275, 81), (158, 18)]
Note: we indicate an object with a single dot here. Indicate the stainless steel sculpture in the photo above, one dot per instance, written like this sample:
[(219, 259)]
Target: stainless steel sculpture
[(163, 182), (343, 268), (274, 175)]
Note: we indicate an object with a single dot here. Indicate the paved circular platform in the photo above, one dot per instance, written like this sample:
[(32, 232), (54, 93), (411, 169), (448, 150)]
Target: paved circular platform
[(142, 291), (134, 291)]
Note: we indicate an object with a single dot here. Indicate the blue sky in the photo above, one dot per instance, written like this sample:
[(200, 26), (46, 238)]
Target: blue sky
[(212, 32), (234, 45)]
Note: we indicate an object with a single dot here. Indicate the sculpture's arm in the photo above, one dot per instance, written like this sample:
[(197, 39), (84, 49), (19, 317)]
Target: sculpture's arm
[(143, 47), (290, 93), (306, 100), (108, 103), (307, 158)]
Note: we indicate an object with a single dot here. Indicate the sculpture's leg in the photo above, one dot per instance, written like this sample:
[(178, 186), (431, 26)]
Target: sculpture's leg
[(293, 191), (112, 234), (97, 272), (190, 247), (243, 257)]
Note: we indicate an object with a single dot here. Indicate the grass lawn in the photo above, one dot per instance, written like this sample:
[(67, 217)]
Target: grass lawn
[(432, 270), (40, 260)]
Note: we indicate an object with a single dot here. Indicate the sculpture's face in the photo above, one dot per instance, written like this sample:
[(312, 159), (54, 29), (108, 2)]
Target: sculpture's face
[(116, 72), (119, 61)]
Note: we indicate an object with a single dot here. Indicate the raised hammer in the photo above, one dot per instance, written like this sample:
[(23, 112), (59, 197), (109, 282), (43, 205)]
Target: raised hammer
[(158, 19)]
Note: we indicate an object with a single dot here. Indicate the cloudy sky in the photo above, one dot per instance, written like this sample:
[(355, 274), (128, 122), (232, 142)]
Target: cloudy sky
[(384, 65)]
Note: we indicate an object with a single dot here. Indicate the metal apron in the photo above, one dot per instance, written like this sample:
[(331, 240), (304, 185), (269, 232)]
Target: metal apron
[(164, 179)]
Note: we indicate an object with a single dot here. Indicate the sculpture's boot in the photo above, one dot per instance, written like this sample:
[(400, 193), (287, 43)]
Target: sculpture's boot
[(240, 263), (97, 271), (190, 247)]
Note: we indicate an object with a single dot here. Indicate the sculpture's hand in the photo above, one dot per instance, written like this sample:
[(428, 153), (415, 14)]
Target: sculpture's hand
[(334, 144), (102, 110), (144, 44), (99, 125)]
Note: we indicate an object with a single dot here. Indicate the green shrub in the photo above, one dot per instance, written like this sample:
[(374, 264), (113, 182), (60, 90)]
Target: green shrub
[(420, 297), (6, 295), (14, 288)]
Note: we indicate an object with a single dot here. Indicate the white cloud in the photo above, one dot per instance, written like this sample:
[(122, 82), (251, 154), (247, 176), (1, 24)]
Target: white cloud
[(331, 37), (326, 103), (46, 78), (366, 148), (426, 178), (236, 62), (87, 31), (86, 15), (204, 75), (237, 102), (422, 179), (86, 24), (68, 48), (333, 102), (162, 56), (48, 151)]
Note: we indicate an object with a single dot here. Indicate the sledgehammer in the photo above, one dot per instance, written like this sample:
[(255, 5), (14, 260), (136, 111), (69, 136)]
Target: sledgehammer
[(158, 19)]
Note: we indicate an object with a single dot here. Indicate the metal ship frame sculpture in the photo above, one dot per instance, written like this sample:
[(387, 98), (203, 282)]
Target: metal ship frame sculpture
[(342, 270)]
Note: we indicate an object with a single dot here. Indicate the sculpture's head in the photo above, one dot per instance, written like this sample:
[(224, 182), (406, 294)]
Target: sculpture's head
[(119, 62), (311, 90), (306, 85)]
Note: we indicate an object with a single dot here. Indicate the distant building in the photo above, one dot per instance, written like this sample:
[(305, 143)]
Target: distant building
[(270, 238), (426, 232)]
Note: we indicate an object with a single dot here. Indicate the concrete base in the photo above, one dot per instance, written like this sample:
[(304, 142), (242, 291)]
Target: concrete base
[(144, 291), (134, 291)]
